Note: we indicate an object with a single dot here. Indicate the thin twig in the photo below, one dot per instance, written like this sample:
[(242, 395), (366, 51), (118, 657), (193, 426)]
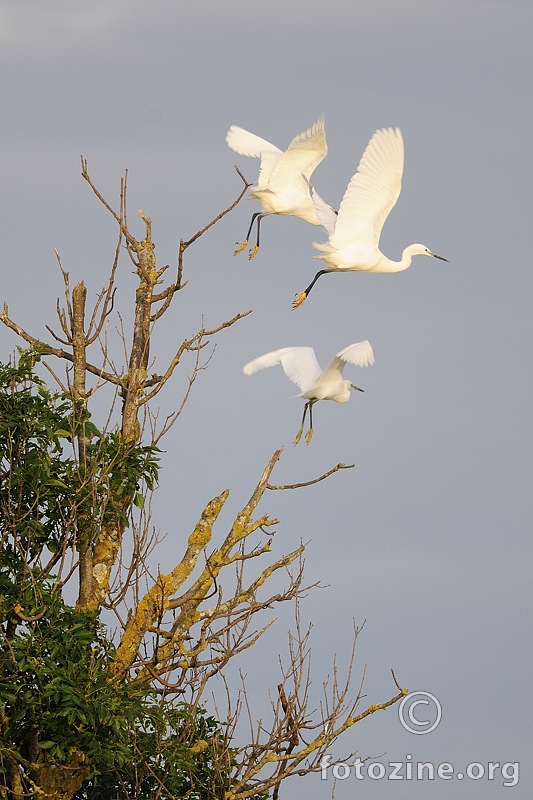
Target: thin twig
[(127, 235), (310, 483), (184, 244)]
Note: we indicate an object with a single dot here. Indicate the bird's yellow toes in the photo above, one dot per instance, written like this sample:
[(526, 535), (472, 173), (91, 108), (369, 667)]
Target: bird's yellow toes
[(253, 252), (299, 300), (241, 248), (297, 437), (309, 435)]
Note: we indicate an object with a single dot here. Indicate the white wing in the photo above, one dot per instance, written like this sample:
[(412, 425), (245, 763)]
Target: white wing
[(326, 214), (248, 144), (372, 191), (299, 364), (302, 156), (360, 354)]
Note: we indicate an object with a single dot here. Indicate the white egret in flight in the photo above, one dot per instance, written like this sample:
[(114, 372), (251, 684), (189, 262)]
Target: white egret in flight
[(371, 194), (301, 366), (283, 185)]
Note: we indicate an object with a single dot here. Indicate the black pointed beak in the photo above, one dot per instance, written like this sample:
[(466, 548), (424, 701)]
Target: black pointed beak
[(356, 387), (441, 258)]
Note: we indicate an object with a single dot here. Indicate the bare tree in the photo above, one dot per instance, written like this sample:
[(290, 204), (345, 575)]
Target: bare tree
[(187, 625)]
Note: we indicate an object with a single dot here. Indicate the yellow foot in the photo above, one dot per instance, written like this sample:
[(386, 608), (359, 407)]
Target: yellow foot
[(253, 252), (298, 437), (309, 435), (299, 300), (241, 248)]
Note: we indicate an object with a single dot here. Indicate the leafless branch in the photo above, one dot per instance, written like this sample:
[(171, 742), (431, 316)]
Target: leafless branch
[(185, 244), (315, 480), (194, 344), (47, 349), (118, 217)]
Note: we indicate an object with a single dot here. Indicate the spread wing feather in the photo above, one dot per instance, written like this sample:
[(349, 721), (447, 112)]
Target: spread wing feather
[(302, 156), (360, 354), (372, 191), (326, 215), (299, 365), (248, 144)]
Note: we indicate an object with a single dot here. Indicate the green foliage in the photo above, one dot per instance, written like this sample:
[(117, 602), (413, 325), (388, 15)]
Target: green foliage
[(61, 480), (175, 753), (33, 476), (58, 698), (56, 694), (51, 495)]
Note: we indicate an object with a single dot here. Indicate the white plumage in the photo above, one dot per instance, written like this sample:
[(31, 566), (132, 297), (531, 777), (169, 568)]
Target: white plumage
[(301, 366), (283, 185), (354, 233)]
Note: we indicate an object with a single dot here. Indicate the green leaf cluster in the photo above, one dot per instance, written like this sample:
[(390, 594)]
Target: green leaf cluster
[(61, 479), (58, 699), (34, 477), (56, 693), (174, 753), (61, 705)]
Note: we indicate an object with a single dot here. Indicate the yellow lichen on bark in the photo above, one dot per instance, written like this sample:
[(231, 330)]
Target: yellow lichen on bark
[(59, 781), (157, 598)]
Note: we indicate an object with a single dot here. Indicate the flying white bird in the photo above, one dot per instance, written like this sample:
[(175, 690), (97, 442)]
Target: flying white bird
[(371, 194), (301, 366), (283, 185)]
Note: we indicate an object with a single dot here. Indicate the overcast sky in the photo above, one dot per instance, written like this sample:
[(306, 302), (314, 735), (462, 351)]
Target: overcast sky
[(429, 537)]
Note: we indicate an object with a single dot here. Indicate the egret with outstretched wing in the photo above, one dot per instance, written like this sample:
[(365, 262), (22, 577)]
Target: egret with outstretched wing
[(283, 186), (354, 233), (301, 366)]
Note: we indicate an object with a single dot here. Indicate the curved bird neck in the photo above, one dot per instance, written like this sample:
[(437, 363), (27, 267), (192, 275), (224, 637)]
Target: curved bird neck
[(388, 265)]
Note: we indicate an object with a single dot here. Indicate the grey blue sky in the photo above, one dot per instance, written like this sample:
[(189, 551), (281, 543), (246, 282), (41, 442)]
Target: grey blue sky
[(429, 537)]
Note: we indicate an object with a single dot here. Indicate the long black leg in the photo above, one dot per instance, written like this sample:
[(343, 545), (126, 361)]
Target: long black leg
[(317, 276), (309, 434), (299, 434), (301, 296), (243, 244), (254, 217), (255, 250)]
